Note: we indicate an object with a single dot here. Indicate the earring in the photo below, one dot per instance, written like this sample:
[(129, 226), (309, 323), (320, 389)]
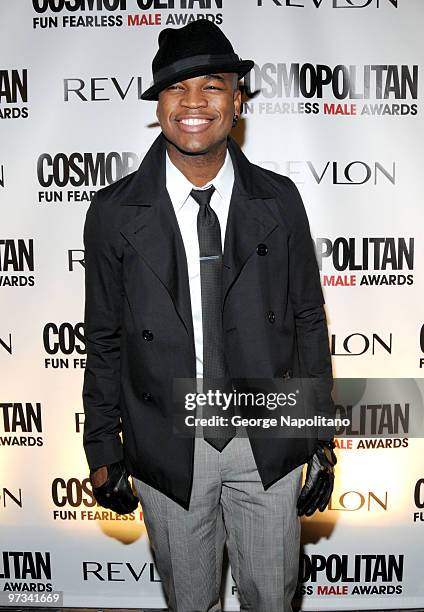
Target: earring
[(235, 119)]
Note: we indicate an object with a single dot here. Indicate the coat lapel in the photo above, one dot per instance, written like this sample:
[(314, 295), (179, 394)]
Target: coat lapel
[(250, 219), (155, 232)]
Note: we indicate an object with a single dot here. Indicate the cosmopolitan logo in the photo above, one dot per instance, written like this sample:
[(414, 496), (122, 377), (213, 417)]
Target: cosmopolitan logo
[(16, 255), (10, 498), (106, 13), (381, 82), (385, 257), (23, 419), (119, 572), (75, 501), (375, 420), (357, 568), (372, 81), (13, 93), (66, 339), (337, 4), (352, 575), (367, 253), (355, 172), (358, 343), (23, 565), (19, 417), (56, 6), (86, 170), (72, 492)]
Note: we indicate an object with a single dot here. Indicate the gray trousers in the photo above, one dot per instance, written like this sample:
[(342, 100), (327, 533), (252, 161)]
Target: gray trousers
[(228, 504)]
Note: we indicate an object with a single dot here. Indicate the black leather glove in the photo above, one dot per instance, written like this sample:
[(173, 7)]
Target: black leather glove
[(319, 482), (116, 493)]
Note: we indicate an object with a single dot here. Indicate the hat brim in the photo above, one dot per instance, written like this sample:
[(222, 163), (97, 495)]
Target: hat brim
[(241, 68)]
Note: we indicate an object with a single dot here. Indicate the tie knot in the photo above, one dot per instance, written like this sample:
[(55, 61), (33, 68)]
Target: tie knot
[(202, 196)]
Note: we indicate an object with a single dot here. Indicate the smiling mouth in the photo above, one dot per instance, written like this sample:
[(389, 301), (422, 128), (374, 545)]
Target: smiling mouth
[(194, 125), (194, 121)]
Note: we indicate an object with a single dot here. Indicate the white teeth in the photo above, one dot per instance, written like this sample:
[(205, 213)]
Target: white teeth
[(194, 121)]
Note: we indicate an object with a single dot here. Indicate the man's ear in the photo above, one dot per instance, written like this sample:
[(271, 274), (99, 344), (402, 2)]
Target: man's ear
[(237, 101)]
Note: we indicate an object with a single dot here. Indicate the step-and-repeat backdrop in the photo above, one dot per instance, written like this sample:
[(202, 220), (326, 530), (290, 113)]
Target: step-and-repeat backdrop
[(335, 101)]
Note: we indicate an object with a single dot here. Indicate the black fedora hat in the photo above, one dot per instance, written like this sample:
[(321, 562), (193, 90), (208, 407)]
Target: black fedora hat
[(196, 49)]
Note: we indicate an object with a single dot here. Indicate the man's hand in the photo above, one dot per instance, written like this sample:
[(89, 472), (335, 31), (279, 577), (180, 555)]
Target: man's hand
[(318, 487), (99, 476), (112, 490)]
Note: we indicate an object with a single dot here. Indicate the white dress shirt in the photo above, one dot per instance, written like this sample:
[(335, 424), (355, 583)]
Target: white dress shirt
[(186, 209)]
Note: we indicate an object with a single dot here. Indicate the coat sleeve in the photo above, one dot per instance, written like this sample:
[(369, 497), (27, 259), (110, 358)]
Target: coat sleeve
[(307, 301), (102, 328)]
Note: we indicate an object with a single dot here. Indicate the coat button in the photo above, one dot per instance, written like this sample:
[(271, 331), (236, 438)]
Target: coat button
[(286, 374), (262, 249), (147, 335), (271, 316), (146, 397)]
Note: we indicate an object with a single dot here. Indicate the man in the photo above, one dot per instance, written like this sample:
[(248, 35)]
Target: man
[(201, 264)]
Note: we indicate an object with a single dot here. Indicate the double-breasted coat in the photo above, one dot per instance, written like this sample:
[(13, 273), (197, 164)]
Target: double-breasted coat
[(138, 323)]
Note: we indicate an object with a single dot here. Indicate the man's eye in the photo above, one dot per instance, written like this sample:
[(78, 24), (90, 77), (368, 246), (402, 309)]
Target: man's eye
[(212, 87), (173, 87)]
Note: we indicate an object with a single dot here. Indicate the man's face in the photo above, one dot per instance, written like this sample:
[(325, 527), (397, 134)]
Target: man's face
[(196, 115)]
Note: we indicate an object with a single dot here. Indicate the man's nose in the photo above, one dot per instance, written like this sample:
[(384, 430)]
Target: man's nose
[(194, 98)]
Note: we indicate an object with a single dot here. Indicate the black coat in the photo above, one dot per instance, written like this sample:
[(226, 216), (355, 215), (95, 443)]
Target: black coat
[(138, 323)]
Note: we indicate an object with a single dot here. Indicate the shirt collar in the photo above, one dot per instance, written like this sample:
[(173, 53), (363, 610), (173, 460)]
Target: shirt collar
[(179, 186)]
